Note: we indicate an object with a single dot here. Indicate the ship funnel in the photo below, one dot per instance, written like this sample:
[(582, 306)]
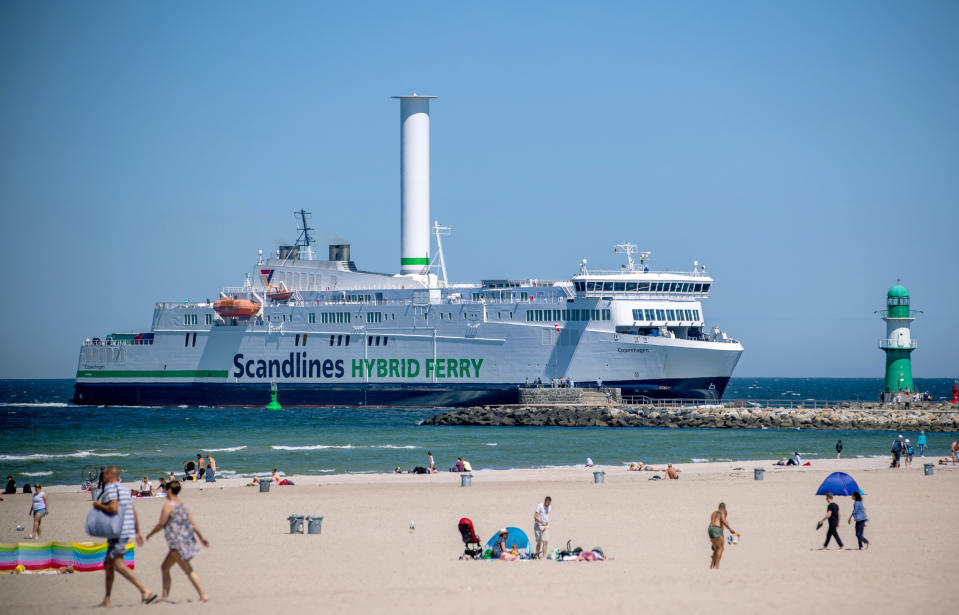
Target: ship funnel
[(414, 184)]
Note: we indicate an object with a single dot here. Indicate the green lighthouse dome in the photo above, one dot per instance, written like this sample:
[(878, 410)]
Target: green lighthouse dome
[(898, 291), (897, 301)]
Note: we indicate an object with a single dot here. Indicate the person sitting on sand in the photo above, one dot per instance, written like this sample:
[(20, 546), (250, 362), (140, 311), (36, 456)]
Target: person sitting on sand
[(277, 480), (955, 451), (671, 472), (397, 470), (782, 462), (144, 488), (499, 547), (466, 465), (254, 483)]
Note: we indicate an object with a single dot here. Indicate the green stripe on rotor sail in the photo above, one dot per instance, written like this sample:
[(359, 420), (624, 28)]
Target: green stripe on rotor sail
[(154, 373), (414, 261)]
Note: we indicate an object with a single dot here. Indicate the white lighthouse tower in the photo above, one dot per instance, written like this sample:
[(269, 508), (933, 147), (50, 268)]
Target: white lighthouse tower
[(414, 184)]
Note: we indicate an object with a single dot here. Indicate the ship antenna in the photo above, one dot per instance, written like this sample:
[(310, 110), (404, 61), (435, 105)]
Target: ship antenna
[(304, 240), (629, 249)]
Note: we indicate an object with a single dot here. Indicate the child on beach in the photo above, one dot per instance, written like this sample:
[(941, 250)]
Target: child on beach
[(179, 529)]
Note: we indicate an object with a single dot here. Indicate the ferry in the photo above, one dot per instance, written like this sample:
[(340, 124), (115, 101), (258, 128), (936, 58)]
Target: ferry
[(327, 333)]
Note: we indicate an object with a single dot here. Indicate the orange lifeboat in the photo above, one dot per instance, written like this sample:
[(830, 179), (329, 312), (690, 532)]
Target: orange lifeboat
[(275, 294), (236, 308)]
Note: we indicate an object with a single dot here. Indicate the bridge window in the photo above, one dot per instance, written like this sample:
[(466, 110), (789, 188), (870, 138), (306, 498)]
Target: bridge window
[(607, 314), (706, 288), (660, 314), (619, 286), (304, 339), (670, 315), (695, 314), (650, 315), (311, 317), (297, 341), (637, 314), (332, 338)]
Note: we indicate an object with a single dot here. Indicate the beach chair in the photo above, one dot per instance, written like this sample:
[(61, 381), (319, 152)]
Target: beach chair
[(473, 547)]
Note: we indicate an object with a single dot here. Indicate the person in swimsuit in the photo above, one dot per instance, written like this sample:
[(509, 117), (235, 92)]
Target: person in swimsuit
[(38, 510), (179, 529), (715, 531)]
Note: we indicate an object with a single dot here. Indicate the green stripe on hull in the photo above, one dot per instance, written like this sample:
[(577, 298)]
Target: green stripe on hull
[(414, 261), (155, 373)]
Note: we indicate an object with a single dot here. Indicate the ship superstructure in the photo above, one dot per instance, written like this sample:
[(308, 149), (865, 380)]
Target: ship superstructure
[(329, 333)]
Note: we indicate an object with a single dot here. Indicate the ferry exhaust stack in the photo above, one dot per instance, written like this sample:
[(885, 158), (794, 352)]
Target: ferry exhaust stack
[(414, 184)]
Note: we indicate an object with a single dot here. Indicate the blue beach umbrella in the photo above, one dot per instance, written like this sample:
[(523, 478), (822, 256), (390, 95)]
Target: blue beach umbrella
[(838, 483), (515, 536)]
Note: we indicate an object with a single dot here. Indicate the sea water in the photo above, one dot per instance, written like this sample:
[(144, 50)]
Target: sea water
[(45, 439)]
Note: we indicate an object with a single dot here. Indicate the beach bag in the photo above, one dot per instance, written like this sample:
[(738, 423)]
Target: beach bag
[(104, 525)]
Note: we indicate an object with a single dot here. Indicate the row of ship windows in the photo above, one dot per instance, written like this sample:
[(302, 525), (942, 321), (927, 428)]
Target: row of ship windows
[(344, 340), (556, 315), (500, 296), (666, 315), (643, 287)]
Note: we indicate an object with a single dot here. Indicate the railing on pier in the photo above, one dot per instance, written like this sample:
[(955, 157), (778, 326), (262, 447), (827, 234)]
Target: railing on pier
[(745, 404)]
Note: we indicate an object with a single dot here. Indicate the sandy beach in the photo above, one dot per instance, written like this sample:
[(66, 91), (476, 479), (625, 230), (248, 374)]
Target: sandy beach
[(367, 560)]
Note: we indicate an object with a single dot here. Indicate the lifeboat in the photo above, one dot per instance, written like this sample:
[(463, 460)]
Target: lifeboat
[(236, 308), (276, 294)]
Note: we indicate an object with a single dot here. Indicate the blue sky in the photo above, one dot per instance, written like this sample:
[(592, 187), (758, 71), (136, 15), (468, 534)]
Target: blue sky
[(807, 152)]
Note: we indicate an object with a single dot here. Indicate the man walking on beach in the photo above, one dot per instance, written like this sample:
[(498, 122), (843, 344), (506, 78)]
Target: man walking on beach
[(717, 521), (896, 451), (117, 501), (921, 443), (838, 449), (832, 516), (541, 526)]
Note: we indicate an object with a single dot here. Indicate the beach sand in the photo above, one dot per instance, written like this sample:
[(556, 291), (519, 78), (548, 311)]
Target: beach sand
[(367, 560)]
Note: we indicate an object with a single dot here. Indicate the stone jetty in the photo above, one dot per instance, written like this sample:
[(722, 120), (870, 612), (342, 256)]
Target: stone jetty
[(932, 417)]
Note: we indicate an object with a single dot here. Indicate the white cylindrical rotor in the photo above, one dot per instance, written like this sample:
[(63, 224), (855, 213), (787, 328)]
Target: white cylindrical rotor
[(414, 184)]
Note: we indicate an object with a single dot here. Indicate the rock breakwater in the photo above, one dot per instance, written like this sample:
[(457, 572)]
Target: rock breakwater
[(930, 417)]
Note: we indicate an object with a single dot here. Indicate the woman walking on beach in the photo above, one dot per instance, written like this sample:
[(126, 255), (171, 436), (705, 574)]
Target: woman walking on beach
[(715, 531), (179, 529), (38, 510), (859, 516)]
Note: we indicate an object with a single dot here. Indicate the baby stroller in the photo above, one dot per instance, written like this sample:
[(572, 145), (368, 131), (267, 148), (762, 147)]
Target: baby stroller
[(474, 549)]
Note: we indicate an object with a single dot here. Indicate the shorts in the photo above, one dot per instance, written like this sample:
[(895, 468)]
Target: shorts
[(116, 547), (540, 533), (715, 531), (40, 511)]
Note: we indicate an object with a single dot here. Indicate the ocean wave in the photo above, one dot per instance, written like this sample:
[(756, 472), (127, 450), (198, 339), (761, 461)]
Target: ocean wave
[(34, 473), (490, 444), (323, 470), (314, 447), (36, 405), (229, 449), (80, 454), (698, 460), (393, 446)]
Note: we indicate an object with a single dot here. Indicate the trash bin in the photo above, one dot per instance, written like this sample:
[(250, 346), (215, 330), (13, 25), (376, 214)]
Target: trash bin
[(758, 473), (313, 524), (296, 523), (466, 480), (264, 486), (599, 477), (927, 469)]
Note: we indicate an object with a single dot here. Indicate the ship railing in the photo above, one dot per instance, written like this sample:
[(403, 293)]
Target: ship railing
[(641, 269), (113, 342), (888, 344)]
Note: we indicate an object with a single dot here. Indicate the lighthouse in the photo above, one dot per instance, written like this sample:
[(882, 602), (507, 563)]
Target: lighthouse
[(898, 343)]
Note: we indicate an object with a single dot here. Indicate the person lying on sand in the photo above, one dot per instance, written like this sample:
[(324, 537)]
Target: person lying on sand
[(255, 482)]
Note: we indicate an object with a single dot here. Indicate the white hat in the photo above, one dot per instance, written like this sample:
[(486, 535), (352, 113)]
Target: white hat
[(504, 531), (907, 439)]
